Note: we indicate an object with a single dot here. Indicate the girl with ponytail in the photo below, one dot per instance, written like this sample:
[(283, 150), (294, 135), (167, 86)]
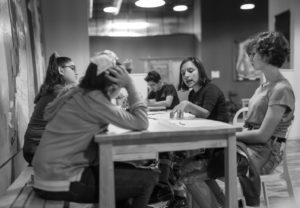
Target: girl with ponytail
[(61, 73)]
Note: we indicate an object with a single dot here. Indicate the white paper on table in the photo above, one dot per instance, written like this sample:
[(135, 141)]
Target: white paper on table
[(165, 115), (194, 123)]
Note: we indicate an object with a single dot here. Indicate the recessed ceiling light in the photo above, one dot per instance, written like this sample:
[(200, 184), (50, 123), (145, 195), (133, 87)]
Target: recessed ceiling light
[(110, 9), (180, 8), (150, 3), (247, 6)]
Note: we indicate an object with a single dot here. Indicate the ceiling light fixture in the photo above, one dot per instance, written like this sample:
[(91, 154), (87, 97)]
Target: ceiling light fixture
[(180, 8), (110, 9), (247, 4), (114, 8), (150, 3)]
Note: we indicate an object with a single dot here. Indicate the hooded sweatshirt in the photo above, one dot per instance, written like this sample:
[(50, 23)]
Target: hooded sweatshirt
[(67, 145)]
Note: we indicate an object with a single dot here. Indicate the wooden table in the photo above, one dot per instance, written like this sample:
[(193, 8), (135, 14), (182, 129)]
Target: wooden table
[(163, 135)]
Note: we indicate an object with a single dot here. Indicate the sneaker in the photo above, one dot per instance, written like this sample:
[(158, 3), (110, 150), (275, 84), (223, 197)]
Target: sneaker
[(161, 192)]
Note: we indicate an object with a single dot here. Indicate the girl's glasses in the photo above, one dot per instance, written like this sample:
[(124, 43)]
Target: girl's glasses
[(73, 67)]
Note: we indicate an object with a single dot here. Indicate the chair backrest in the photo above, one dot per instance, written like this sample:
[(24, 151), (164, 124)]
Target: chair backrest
[(236, 121), (287, 137)]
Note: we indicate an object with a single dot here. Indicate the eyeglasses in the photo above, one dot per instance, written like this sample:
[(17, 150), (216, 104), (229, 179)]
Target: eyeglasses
[(73, 67)]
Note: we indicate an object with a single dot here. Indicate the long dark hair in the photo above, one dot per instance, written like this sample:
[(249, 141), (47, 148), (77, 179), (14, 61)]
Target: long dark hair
[(91, 81), (203, 78), (53, 77)]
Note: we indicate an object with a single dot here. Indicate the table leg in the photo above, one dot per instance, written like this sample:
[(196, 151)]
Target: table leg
[(106, 178), (231, 173)]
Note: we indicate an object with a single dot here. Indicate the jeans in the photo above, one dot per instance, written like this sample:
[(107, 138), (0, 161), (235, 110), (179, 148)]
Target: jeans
[(261, 159), (130, 183), (197, 171), (247, 173)]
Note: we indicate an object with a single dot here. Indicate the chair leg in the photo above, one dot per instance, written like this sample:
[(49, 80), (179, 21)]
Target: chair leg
[(265, 192), (287, 179), (289, 186)]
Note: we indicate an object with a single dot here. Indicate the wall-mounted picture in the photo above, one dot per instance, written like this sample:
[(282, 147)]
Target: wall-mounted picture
[(282, 24), (161, 66), (168, 68), (244, 70), (34, 24)]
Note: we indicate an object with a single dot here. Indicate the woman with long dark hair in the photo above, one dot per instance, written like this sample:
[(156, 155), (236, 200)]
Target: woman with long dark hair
[(61, 73), (205, 99)]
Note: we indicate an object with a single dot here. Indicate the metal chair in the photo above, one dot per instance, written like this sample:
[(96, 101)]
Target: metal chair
[(266, 177)]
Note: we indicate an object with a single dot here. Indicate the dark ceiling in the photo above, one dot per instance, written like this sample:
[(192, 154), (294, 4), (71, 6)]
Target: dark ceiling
[(128, 8), (164, 20)]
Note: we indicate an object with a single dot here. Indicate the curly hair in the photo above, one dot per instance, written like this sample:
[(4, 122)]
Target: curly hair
[(53, 77), (203, 78), (273, 46)]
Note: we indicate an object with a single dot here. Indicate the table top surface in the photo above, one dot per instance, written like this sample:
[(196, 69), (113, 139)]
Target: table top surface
[(160, 125)]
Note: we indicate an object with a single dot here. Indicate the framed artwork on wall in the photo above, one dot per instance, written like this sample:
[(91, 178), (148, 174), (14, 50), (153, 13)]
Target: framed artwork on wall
[(243, 69), (168, 68), (36, 34), (282, 24), (161, 66)]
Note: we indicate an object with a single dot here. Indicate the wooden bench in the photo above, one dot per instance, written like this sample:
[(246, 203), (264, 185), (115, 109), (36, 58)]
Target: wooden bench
[(21, 195)]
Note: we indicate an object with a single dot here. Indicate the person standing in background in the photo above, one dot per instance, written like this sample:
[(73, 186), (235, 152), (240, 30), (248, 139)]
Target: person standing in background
[(60, 75)]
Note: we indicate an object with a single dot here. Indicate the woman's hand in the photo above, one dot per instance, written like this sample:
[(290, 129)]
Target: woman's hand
[(119, 75), (189, 107), (151, 101), (182, 107)]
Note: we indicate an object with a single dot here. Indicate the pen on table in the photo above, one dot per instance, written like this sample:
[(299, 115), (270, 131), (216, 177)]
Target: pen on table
[(183, 124)]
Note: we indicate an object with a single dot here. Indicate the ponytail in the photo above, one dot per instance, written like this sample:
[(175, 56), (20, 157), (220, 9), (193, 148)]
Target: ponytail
[(53, 77)]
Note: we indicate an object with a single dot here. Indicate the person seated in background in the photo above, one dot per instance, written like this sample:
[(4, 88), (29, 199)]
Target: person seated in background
[(161, 94), (122, 98), (66, 161), (205, 100), (61, 73), (261, 144)]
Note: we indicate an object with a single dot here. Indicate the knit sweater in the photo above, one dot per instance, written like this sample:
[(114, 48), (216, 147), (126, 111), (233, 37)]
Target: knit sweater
[(67, 145)]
